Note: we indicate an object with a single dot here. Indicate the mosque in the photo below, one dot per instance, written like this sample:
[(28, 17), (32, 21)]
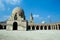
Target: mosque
[(17, 21)]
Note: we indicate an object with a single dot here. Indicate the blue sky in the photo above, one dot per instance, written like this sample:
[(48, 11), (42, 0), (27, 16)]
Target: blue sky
[(43, 10)]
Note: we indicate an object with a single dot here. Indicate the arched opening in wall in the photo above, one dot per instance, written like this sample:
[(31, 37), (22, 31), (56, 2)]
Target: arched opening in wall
[(28, 28), (37, 28), (1, 27), (41, 27), (59, 26), (15, 25), (49, 28), (33, 28), (15, 17), (45, 27)]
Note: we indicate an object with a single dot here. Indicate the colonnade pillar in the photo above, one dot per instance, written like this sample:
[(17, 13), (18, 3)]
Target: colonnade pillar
[(51, 27), (3, 26), (35, 27), (47, 27), (39, 27), (57, 27), (43, 27), (31, 27)]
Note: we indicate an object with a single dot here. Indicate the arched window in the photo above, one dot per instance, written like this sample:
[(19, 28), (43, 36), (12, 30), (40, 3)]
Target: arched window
[(33, 28), (21, 14), (49, 27), (59, 26), (41, 27), (15, 17), (45, 27), (37, 28), (1, 27), (28, 27)]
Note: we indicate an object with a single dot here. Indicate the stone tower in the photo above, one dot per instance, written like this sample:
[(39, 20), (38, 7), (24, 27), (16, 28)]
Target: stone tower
[(31, 19), (17, 20)]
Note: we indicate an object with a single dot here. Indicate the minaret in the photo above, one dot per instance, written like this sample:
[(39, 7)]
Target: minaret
[(31, 19)]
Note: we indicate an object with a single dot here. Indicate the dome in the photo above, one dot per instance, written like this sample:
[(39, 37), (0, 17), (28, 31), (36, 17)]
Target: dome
[(17, 10)]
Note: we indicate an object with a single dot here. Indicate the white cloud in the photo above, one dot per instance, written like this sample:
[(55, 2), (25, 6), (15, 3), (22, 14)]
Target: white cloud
[(13, 2), (43, 22), (36, 16), (2, 7)]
